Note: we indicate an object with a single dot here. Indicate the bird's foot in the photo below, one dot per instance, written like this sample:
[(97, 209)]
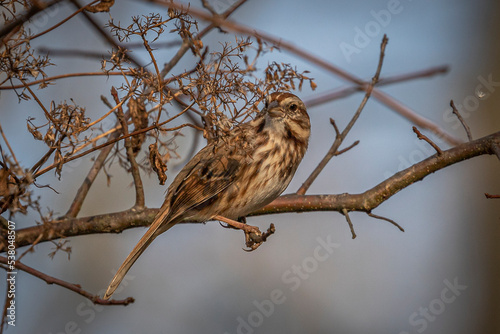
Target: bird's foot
[(253, 236), (254, 239)]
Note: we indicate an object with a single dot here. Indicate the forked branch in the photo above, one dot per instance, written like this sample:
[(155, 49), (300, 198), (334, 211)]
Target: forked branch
[(339, 138)]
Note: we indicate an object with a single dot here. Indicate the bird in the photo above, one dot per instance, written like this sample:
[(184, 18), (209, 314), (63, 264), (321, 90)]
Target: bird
[(235, 175)]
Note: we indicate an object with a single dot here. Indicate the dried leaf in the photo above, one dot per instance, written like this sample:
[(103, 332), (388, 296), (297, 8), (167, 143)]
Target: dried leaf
[(36, 134), (102, 6), (4, 182), (58, 159), (49, 137), (157, 163)]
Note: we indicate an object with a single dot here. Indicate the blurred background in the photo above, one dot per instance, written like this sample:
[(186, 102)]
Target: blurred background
[(440, 276)]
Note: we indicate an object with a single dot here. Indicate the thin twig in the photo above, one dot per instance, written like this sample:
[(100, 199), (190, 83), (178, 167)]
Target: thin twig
[(208, 7), (8, 146), (118, 127), (342, 92), (159, 76), (30, 248), (56, 126), (496, 149), (63, 21), (53, 148), (73, 53), (351, 227), (460, 118), (112, 141), (185, 44), (139, 188), (119, 105), (73, 287), (197, 136), (340, 137), (46, 112), (347, 148), (42, 161), (104, 33), (335, 127), (490, 196), (386, 219), (424, 137), (64, 76), (425, 73)]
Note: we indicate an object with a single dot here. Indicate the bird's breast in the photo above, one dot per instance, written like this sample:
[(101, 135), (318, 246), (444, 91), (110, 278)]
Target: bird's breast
[(264, 177)]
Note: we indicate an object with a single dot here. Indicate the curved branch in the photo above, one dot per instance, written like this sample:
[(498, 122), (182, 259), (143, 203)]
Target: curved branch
[(365, 202), (70, 286), (48, 80), (375, 196)]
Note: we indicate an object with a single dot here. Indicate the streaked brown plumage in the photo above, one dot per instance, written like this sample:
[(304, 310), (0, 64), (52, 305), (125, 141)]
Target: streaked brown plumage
[(236, 175)]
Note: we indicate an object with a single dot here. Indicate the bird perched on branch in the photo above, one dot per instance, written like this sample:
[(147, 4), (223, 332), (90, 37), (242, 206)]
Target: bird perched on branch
[(235, 175)]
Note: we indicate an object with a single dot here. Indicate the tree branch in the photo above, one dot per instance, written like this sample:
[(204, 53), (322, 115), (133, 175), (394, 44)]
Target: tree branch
[(70, 286), (425, 138), (461, 119), (47, 80), (351, 226), (342, 92), (364, 202), (134, 166)]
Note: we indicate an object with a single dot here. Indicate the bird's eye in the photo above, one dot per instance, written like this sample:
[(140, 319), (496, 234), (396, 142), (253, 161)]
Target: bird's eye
[(293, 107)]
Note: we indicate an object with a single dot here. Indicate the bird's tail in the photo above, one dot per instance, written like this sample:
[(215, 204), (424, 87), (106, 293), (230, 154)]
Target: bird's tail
[(159, 225)]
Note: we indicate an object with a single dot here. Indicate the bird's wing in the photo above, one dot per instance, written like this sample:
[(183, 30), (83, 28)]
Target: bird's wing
[(202, 179), (199, 182)]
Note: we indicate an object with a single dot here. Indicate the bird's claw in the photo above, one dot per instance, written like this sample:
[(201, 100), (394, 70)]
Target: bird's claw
[(228, 226), (254, 237)]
